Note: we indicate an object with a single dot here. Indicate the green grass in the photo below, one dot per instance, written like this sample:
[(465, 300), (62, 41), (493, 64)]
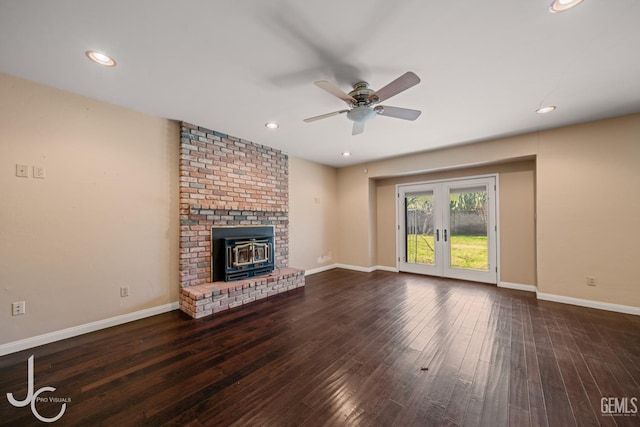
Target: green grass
[(469, 252), (420, 249), (466, 251)]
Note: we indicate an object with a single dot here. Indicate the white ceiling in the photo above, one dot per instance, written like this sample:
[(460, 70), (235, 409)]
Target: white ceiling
[(233, 65)]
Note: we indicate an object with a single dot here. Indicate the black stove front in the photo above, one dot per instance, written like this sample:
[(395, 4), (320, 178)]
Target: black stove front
[(241, 252)]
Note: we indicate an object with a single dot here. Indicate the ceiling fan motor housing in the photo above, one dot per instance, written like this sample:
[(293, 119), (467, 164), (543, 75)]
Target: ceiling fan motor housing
[(362, 93)]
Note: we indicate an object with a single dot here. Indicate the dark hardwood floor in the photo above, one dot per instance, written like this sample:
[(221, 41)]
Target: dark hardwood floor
[(348, 349)]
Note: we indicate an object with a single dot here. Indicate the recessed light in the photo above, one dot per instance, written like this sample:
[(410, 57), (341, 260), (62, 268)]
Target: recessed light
[(100, 58), (271, 125), (547, 109), (346, 154), (562, 5)]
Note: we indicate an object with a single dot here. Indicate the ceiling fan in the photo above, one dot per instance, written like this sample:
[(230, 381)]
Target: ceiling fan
[(362, 101)]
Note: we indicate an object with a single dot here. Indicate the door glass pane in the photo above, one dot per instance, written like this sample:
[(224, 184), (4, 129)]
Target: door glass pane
[(468, 219), (419, 230)]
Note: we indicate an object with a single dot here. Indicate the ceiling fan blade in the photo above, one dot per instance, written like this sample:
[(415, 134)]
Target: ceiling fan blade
[(324, 116), (358, 128), (335, 91), (398, 113), (402, 83)]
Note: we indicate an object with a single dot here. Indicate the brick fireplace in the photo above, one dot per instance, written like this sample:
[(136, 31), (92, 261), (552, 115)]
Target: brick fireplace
[(228, 181)]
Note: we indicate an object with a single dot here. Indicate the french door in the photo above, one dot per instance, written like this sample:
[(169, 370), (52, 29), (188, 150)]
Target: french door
[(448, 228)]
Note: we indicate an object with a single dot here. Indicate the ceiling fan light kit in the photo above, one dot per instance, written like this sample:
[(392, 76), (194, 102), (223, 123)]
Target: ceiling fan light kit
[(361, 114), (362, 101)]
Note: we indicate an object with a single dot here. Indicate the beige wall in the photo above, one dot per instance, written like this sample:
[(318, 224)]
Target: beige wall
[(589, 210), (105, 216), (355, 218), (359, 227), (518, 223), (587, 213), (313, 215), (516, 216)]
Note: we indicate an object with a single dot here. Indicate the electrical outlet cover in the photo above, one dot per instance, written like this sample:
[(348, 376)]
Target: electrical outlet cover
[(18, 308), (38, 172)]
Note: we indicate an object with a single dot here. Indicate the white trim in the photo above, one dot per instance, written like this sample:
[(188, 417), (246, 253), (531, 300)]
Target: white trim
[(356, 268), (319, 269), (517, 286), (626, 309), (496, 214), (386, 268), (352, 267), (73, 331)]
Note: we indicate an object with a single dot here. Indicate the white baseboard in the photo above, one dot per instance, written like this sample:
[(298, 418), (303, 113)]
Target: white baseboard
[(517, 286), (626, 309), (386, 268), (74, 331), (571, 300), (355, 268), (319, 269), (366, 269), (350, 267)]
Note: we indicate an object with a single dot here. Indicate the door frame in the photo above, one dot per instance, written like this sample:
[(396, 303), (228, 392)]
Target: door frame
[(432, 270), (496, 176)]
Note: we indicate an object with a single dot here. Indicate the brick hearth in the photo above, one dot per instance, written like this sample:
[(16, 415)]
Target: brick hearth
[(203, 300), (228, 181)]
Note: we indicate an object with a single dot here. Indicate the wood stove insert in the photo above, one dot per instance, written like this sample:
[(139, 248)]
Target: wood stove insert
[(241, 252)]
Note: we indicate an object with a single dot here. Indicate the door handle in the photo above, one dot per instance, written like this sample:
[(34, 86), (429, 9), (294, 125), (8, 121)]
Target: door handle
[(445, 234), (438, 235)]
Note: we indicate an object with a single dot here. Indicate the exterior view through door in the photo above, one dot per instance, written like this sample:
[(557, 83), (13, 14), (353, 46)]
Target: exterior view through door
[(448, 229)]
